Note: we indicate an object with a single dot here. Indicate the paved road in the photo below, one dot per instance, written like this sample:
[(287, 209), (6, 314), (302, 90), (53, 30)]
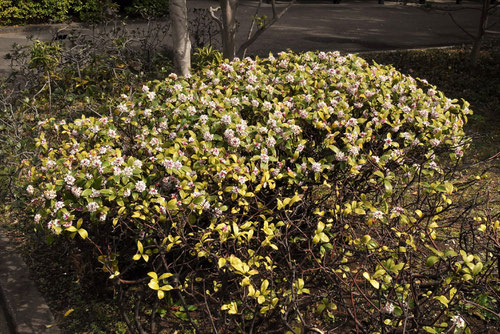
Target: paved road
[(352, 26), (367, 26)]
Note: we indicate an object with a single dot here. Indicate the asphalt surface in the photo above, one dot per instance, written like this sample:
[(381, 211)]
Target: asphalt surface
[(351, 26), (357, 26)]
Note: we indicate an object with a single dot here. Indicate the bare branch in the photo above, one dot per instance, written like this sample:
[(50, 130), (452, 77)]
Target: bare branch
[(216, 19), (494, 6), (273, 5), (460, 27), (252, 26), (266, 26), (482, 307)]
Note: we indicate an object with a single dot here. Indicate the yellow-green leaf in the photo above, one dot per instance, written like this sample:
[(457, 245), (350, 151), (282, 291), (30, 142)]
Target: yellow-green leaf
[(476, 269), (83, 233), (443, 300), (264, 286), (172, 204), (68, 312), (165, 275), (375, 284), (153, 284)]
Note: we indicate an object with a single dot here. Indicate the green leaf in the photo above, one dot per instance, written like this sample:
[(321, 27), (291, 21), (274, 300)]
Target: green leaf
[(388, 186), (198, 200), (68, 312), (165, 275), (71, 229), (83, 233), (86, 193), (106, 192), (265, 285), (476, 269), (360, 211), (429, 329), (172, 204), (443, 300), (466, 277), (450, 253), (365, 239), (431, 260), (373, 282)]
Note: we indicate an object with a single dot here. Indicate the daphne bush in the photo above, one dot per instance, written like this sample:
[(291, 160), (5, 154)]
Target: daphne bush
[(261, 194)]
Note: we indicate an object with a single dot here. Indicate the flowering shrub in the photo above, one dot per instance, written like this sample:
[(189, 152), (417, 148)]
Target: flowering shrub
[(264, 192)]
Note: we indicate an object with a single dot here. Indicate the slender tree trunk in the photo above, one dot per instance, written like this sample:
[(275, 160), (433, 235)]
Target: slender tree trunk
[(229, 8), (476, 48), (182, 43)]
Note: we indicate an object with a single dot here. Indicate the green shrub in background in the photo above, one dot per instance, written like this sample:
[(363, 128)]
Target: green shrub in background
[(52, 11), (94, 11), (260, 194), (148, 8), (28, 11)]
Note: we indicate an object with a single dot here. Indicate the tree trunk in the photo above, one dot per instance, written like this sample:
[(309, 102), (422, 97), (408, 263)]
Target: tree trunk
[(229, 8), (182, 43), (476, 48)]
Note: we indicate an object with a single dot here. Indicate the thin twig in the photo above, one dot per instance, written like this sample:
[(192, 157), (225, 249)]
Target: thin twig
[(259, 32), (252, 26), (460, 27), (273, 5), (136, 315), (153, 316), (208, 309), (130, 326), (483, 307)]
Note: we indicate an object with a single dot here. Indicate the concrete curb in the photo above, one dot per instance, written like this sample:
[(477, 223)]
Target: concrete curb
[(423, 48), (22, 306), (34, 28)]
